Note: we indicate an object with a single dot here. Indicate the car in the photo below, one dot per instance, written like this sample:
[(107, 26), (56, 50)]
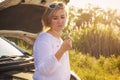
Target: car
[(13, 60), (16, 63)]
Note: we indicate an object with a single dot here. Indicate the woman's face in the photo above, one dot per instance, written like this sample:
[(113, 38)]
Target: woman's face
[(58, 20)]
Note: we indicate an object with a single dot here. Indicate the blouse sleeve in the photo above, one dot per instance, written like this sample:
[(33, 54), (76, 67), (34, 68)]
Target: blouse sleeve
[(45, 60)]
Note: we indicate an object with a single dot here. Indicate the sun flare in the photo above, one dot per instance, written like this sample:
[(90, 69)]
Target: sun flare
[(113, 4)]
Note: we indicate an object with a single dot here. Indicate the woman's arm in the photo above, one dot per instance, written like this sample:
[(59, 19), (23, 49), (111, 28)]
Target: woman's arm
[(45, 60), (67, 44)]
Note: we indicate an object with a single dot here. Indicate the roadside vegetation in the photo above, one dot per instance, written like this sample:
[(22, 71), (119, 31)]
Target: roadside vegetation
[(88, 67), (96, 43)]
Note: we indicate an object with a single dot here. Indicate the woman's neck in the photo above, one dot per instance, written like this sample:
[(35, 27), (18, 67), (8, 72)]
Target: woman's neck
[(54, 33)]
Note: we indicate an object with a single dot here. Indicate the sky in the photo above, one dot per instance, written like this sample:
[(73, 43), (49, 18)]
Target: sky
[(113, 4)]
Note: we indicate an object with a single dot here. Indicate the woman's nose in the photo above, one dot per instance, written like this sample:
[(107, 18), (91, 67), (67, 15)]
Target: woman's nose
[(60, 21)]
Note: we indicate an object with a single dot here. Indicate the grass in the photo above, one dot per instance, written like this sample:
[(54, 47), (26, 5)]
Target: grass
[(89, 68)]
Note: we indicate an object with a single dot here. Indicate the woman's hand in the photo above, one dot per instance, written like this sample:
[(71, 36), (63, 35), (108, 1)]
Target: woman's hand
[(67, 44)]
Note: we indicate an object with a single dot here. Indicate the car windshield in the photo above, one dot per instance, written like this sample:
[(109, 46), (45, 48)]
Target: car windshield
[(7, 49)]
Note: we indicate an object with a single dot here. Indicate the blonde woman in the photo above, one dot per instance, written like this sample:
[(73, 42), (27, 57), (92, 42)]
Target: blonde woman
[(50, 51)]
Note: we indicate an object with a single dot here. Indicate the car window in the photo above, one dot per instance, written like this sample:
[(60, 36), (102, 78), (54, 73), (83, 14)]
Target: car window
[(7, 49)]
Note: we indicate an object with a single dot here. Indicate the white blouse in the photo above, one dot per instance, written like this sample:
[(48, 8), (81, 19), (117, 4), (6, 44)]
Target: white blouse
[(47, 67)]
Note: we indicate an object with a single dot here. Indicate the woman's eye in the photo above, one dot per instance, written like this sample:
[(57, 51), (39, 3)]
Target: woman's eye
[(55, 18), (62, 17)]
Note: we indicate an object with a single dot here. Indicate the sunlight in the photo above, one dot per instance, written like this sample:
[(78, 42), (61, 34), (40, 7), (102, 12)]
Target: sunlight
[(113, 4), (1, 1)]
